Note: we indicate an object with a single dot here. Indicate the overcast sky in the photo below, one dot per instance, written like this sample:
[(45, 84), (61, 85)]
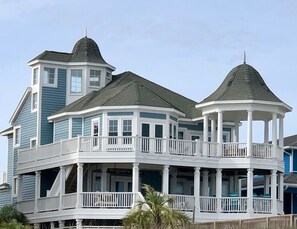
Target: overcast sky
[(186, 46)]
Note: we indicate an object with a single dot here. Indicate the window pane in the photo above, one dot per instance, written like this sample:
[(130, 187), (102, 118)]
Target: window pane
[(145, 130), (158, 131), (95, 78), (17, 136), (49, 76), (35, 76), (76, 81), (34, 101)]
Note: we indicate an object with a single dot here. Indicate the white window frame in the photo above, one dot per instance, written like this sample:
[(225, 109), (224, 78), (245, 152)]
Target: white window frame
[(31, 141), (92, 76), (15, 183), (47, 84), (33, 108), (35, 76), (81, 81), (16, 144)]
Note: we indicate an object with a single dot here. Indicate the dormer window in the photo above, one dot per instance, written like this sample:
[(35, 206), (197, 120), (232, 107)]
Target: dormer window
[(35, 76), (49, 76), (76, 81), (95, 76)]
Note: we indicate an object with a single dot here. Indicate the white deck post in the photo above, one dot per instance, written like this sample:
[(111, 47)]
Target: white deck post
[(281, 187), (165, 179), (213, 130), (62, 186), (274, 135), (220, 133), (281, 135), (80, 168), (205, 135), (219, 189), (250, 190), (61, 224), (273, 192), (250, 134), (197, 190), (78, 223), (205, 183), (37, 189), (266, 131), (135, 177)]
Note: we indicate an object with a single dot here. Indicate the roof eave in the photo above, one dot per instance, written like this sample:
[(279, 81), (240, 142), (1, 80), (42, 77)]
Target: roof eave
[(7, 131)]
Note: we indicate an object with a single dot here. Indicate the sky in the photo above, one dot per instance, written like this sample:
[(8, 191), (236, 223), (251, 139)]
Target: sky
[(188, 46)]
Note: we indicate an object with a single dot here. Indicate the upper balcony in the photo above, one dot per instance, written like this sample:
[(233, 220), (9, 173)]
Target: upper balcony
[(131, 149)]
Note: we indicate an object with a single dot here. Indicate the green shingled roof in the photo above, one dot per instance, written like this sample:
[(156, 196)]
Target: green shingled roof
[(243, 83), (130, 89), (85, 50)]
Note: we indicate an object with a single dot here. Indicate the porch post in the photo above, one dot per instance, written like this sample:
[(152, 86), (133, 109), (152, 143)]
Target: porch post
[(250, 190), (250, 134), (78, 223), (19, 188), (281, 131), (220, 133), (61, 224), (213, 130), (80, 168), (165, 179), (205, 134), (266, 131), (36, 226), (281, 187), (205, 183), (52, 225), (62, 186), (273, 192), (266, 184), (37, 190), (219, 189), (135, 177), (236, 135), (103, 178), (197, 190), (274, 134)]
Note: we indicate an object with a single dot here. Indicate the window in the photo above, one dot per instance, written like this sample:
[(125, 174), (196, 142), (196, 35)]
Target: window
[(33, 143), (76, 81), (34, 101), (108, 75), (14, 186), (113, 131), (35, 76), (49, 76), (127, 131), (95, 133), (17, 136), (95, 76)]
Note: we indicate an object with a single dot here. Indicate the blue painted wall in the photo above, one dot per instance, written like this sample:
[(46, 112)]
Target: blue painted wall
[(286, 163), (76, 127), (295, 160), (61, 130), (53, 99)]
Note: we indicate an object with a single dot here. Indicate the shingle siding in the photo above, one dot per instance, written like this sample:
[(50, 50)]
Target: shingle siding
[(53, 99), (76, 127), (61, 130)]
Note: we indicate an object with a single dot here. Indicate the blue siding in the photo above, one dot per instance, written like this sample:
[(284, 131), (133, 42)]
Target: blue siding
[(119, 113), (152, 115), (53, 99), (294, 160), (61, 130), (286, 163), (88, 122), (76, 127), (28, 188)]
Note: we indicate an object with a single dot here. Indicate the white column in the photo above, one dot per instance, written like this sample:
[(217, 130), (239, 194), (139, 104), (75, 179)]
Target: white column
[(281, 187), (36, 225), (80, 168), (173, 181), (19, 187), (62, 186), (273, 191), (291, 161), (205, 135), (281, 131), (197, 190), (266, 131), (250, 134), (220, 133), (274, 134), (219, 189), (266, 184), (52, 225), (250, 190), (78, 223), (61, 224), (212, 187), (236, 135), (103, 178), (205, 183), (165, 179), (213, 130), (37, 190), (135, 177)]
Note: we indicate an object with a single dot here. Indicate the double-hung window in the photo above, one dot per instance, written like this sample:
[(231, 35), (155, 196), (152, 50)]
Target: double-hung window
[(95, 76), (17, 136), (35, 76), (127, 131), (113, 131), (34, 101), (49, 76), (76, 81), (95, 133)]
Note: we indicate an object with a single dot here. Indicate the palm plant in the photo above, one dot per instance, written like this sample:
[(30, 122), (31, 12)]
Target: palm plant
[(155, 213), (11, 217)]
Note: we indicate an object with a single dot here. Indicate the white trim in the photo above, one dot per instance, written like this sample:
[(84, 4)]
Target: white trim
[(32, 139), (70, 128), (32, 102), (102, 108), (7, 132), (20, 105), (46, 84), (14, 136), (14, 190)]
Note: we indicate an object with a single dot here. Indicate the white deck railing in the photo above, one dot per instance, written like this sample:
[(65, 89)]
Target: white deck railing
[(233, 204), (143, 145), (208, 204), (183, 202), (69, 200), (262, 205), (48, 203)]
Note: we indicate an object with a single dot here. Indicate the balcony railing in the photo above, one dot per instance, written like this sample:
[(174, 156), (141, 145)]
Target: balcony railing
[(183, 202), (145, 145)]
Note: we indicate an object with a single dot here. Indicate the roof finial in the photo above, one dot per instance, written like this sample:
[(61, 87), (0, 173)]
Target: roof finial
[(244, 57), (86, 32)]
